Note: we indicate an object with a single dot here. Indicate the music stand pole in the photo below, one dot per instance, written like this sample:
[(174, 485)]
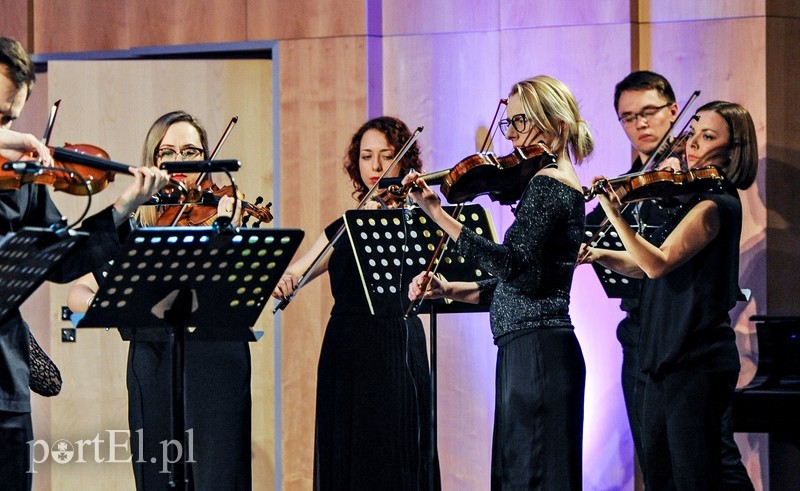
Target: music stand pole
[(202, 285), (178, 316), (434, 403)]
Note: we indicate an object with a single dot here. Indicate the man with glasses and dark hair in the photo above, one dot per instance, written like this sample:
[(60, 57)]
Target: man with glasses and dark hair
[(646, 109), (31, 206)]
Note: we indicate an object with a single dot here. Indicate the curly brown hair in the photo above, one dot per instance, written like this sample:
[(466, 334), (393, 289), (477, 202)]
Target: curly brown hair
[(397, 133)]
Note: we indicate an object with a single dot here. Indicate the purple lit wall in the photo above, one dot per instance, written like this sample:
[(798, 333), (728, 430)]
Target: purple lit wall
[(444, 67)]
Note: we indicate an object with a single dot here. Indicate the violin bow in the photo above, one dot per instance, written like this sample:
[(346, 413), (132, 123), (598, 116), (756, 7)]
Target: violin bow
[(51, 121), (436, 259), (306, 276), (202, 177)]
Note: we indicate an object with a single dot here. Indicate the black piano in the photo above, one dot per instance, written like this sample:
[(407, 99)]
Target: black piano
[(770, 403)]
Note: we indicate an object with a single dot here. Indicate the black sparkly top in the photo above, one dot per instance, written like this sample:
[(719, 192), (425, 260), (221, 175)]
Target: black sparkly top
[(533, 266)]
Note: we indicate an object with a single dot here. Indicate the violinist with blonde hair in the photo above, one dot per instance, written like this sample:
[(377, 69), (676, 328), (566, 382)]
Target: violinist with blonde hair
[(538, 423), (218, 401)]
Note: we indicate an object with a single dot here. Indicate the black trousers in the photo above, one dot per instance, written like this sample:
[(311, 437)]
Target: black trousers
[(538, 424), (682, 429), (734, 474), (16, 430), (218, 408)]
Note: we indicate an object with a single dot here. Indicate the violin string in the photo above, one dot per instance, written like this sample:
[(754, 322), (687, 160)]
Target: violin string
[(657, 157), (214, 152)]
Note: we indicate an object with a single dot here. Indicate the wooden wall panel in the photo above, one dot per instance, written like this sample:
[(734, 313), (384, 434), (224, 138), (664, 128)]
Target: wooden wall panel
[(323, 101), (16, 21), (555, 13), (277, 19), (448, 16), (688, 10), (90, 25), (782, 165), (727, 59), (454, 101), (185, 22)]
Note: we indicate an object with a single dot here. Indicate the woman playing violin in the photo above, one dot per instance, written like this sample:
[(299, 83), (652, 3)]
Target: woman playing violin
[(691, 270), (373, 384), (540, 377), (218, 373)]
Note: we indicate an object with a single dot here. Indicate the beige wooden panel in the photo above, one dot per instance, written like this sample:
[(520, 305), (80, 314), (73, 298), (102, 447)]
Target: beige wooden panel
[(676, 10), (278, 19), (322, 103), (727, 59), (116, 118)]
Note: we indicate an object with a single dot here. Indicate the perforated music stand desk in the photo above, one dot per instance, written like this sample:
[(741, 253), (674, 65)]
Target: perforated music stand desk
[(199, 284), (391, 247), (615, 285), (27, 258)]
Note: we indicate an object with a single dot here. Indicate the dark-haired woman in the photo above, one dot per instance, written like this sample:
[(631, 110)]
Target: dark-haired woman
[(688, 349), (373, 382)]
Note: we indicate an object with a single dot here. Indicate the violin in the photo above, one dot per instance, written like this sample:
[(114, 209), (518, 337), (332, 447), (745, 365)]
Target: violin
[(662, 183), (74, 178), (204, 211), (503, 179)]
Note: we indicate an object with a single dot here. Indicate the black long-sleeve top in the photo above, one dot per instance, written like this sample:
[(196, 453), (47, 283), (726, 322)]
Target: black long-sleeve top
[(534, 265), (31, 206)]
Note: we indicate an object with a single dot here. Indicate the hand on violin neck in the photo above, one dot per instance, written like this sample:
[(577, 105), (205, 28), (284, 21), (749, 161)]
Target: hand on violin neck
[(231, 208), (423, 195), (672, 163), (147, 181), (608, 198)]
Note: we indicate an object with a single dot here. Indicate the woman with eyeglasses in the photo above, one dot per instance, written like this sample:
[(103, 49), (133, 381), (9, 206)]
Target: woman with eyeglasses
[(690, 271), (218, 401), (540, 378)]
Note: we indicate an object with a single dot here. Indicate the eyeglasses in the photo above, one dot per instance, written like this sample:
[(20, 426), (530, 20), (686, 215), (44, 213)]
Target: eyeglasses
[(186, 153), (645, 114), (519, 122)]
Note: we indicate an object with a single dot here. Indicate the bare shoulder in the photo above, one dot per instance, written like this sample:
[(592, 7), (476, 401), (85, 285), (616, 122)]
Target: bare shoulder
[(565, 176)]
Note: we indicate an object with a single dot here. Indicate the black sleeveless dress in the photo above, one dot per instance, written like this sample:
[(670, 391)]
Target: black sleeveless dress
[(373, 391)]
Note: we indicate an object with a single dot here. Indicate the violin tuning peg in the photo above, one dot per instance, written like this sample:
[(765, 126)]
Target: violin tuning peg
[(258, 200)]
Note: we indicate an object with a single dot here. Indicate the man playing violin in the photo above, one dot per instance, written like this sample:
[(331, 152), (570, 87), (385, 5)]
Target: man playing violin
[(30, 205), (645, 104), (646, 108)]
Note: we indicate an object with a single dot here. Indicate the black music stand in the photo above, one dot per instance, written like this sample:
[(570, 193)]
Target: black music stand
[(393, 246), (27, 258), (198, 284), (615, 285)]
